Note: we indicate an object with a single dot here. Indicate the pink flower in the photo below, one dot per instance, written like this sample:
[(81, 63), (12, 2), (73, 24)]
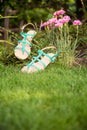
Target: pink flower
[(58, 24), (66, 19), (63, 20), (77, 22), (47, 23), (60, 20), (44, 24), (60, 12), (53, 20)]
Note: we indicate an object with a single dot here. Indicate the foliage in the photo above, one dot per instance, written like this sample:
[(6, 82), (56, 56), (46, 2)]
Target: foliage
[(34, 11), (82, 40), (30, 10), (7, 47)]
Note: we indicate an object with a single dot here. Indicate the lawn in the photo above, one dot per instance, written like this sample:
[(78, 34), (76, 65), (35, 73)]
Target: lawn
[(54, 99)]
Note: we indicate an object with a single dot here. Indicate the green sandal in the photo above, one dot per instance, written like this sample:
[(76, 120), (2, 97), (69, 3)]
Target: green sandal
[(41, 61), (23, 49)]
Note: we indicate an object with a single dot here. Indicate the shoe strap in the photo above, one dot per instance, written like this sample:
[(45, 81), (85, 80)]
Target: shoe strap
[(52, 58), (23, 50), (37, 59), (41, 53), (32, 64), (24, 41), (26, 34)]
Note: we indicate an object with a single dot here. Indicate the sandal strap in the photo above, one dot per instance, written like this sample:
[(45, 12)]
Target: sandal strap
[(52, 58), (23, 27), (25, 42), (32, 64), (23, 50), (34, 60), (37, 59), (41, 53), (26, 34)]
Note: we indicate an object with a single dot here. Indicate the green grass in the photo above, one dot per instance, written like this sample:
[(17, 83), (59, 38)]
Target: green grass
[(55, 99)]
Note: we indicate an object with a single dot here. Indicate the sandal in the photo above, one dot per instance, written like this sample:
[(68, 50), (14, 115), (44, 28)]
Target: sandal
[(23, 49), (41, 61)]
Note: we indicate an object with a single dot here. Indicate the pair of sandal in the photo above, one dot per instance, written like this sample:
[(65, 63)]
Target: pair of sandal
[(38, 63)]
